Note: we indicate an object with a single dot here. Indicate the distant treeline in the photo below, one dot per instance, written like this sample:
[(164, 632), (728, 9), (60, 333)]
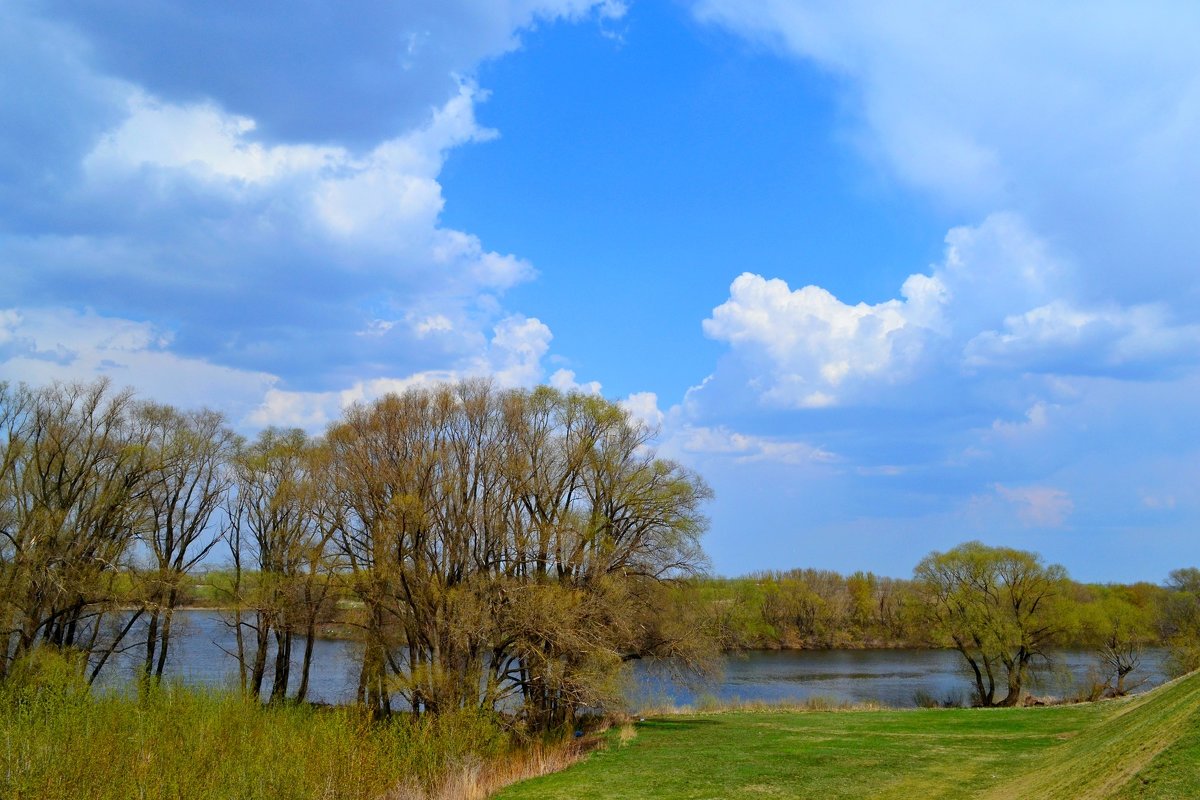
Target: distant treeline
[(1003, 609), (821, 609)]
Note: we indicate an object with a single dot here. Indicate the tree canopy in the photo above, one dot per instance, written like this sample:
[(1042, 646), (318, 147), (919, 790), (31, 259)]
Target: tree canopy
[(998, 606)]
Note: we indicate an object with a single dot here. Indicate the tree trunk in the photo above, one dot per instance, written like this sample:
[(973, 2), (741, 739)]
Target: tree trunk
[(310, 635), (166, 636), (262, 642), (283, 664)]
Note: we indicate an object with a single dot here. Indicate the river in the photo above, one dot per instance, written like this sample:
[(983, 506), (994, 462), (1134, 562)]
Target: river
[(199, 656)]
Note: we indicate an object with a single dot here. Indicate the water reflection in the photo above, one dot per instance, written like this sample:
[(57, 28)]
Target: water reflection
[(201, 654), (891, 677)]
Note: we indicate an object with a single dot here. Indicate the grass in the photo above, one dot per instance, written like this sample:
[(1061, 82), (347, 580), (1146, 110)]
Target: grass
[(58, 742), (191, 744), (1148, 746)]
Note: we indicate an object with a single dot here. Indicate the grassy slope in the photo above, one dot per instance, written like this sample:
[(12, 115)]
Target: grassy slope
[(1142, 747)]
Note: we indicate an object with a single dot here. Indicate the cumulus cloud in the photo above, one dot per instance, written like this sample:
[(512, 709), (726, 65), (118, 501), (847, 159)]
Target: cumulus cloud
[(643, 407), (259, 229), (335, 72), (815, 344), (995, 302), (213, 222), (1064, 339), (185, 193), (564, 381), (512, 359)]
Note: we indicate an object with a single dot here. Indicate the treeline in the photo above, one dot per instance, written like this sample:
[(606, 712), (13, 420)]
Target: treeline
[(505, 548), (1004, 610), (822, 609)]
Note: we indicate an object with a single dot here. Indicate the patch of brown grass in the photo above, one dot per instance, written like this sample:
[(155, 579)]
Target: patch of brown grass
[(478, 780)]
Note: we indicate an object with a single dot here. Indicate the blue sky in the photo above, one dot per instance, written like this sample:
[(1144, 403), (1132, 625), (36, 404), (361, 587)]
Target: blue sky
[(890, 277)]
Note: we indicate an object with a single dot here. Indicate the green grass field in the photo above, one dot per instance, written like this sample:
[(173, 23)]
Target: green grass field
[(1148, 746)]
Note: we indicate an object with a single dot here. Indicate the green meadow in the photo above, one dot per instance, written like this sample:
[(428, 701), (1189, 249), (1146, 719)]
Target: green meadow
[(1145, 746), (183, 743)]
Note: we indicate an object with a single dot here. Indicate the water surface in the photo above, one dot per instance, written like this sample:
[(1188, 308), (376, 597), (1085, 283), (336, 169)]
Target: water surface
[(200, 655)]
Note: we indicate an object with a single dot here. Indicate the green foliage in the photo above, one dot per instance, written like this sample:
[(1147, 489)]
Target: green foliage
[(1000, 608), (48, 674), (1181, 620)]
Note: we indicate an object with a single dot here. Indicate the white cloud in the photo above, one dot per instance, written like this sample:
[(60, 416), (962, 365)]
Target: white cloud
[(513, 358), (643, 407), (201, 139), (1059, 337), (746, 448), (515, 355), (1037, 418), (434, 323), (564, 381), (179, 195), (995, 301), (38, 346), (1040, 506), (1082, 118), (815, 344)]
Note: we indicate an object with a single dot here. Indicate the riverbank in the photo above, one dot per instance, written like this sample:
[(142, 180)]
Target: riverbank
[(61, 741), (1145, 746)]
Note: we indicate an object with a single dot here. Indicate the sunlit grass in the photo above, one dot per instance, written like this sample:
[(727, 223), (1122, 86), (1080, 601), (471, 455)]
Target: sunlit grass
[(185, 743), (1146, 746)]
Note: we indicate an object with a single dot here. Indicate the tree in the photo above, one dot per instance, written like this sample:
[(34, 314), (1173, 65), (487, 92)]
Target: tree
[(75, 474), (189, 475), (999, 607), (279, 529), (1181, 619), (507, 543), (1119, 629)]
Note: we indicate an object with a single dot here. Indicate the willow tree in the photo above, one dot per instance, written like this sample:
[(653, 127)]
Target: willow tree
[(74, 472), (188, 478), (506, 543), (278, 536), (601, 523), (1000, 608)]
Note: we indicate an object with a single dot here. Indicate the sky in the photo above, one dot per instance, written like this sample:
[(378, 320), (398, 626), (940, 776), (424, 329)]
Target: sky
[(891, 277)]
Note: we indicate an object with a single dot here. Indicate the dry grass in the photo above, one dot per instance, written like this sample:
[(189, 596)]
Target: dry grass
[(478, 780)]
